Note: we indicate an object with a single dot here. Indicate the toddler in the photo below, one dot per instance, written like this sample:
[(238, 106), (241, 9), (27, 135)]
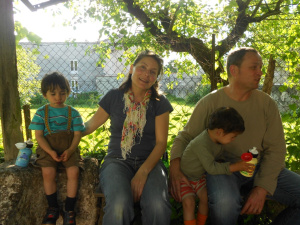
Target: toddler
[(224, 125), (58, 130)]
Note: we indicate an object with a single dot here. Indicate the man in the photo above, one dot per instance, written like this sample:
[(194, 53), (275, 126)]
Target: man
[(263, 130)]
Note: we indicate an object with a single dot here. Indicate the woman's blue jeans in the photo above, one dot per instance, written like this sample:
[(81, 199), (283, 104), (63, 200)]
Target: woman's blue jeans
[(115, 178), (225, 201)]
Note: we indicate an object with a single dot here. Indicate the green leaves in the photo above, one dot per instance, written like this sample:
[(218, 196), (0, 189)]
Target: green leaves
[(22, 32), (28, 84)]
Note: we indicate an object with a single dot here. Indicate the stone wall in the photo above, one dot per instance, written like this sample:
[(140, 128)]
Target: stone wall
[(22, 198)]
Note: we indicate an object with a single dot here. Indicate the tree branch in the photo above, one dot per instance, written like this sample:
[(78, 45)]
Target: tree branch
[(242, 23), (136, 11), (169, 31), (256, 9), (276, 11), (176, 44)]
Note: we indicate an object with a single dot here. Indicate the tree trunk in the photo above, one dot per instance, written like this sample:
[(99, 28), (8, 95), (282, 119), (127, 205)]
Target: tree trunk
[(10, 109), (268, 83)]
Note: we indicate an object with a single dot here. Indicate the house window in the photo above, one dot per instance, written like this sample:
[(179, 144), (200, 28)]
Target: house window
[(74, 86), (74, 66)]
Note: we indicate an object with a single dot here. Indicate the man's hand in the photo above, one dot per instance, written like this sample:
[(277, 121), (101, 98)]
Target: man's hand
[(175, 177), (255, 201)]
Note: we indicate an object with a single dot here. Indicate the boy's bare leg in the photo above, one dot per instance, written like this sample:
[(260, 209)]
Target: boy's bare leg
[(188, 204), (203, 202), (49, 175), (72, 183), (203, 206)]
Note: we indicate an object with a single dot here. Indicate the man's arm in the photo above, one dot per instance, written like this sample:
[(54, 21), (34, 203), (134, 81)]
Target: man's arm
[(274, 150), (271, 164)]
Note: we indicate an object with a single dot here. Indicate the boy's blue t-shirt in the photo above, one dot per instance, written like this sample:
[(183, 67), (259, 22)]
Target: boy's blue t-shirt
[(58, 120)]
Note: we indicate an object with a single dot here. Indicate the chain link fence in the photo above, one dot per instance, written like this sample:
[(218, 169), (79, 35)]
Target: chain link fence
[(79, 62), (90, 81)]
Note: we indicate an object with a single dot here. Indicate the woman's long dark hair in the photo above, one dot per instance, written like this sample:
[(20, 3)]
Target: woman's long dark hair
[(126, 85)]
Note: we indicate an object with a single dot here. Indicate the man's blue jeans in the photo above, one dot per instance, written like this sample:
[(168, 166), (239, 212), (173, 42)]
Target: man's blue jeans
[(225, 201), (115, 178)]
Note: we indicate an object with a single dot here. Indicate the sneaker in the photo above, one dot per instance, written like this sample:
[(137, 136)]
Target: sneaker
[(69, 218), (51, 216)]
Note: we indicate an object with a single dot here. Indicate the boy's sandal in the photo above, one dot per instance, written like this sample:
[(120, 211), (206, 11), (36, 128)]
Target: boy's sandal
[(51, 216), (69, 218)]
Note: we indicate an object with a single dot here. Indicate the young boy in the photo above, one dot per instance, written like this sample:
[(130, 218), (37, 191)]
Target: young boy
[(58, 130), (223, 126)]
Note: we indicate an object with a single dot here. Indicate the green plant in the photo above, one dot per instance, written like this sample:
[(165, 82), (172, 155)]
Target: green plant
[(177, 212), (84, 99), (1, 155), (28, 84), (89, 99), (200, 91), (37, 100), (95, 144), (291, 124)]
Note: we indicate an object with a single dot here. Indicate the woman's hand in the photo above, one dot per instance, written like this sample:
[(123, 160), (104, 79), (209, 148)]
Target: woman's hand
[(137, 184)]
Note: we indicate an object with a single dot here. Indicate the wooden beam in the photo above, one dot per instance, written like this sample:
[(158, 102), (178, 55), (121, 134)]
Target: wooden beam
[(42, 4)]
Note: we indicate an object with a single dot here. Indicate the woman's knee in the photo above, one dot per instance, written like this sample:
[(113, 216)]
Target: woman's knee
[(119, 204), (155, 204), (119, 209)]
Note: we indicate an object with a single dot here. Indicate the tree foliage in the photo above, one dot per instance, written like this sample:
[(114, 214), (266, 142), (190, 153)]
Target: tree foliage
[(273, 38), (28, 70), (28, 83), (185, 27)]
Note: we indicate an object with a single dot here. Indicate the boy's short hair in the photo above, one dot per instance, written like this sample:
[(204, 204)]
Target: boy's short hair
[(51, 80), (228, 119)]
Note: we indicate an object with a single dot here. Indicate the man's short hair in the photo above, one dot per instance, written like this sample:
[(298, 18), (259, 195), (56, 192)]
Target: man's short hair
[(236, 57), (228, 119)]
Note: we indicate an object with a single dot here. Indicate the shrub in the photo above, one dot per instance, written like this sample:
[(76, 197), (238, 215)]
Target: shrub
[(83, 99), (199, 93), (78, 99)]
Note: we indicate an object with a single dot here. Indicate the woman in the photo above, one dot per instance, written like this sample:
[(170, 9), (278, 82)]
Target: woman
[(132, 170)]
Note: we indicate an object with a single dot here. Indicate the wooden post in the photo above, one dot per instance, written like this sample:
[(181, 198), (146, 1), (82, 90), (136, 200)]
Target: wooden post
[(268, 83), (27, 119), (214, 80)]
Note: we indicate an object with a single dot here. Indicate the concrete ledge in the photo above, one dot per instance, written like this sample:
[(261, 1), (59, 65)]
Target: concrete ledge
[(22, 198)]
